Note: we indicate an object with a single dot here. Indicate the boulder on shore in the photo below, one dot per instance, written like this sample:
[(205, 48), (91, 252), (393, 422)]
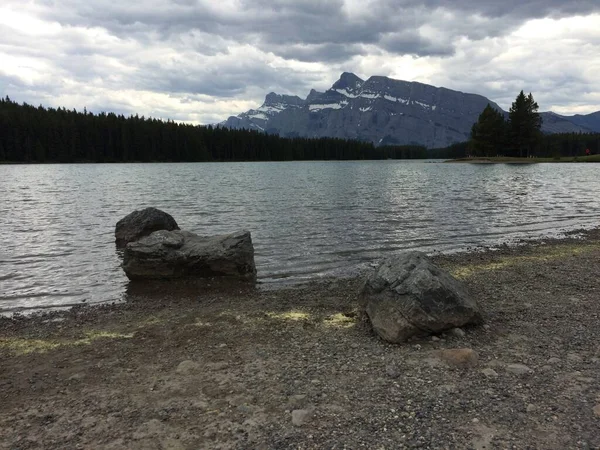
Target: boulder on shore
[(181, 254), (410, 296), (142, 223)]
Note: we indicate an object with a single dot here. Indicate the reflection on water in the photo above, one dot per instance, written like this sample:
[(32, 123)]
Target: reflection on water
[(308, 219)]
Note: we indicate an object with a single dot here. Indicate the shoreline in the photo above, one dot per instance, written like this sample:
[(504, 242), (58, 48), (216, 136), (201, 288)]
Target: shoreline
[(524, 160), (225, 368)]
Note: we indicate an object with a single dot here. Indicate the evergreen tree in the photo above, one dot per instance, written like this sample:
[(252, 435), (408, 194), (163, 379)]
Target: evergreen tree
[(488, 135), (525, 124)]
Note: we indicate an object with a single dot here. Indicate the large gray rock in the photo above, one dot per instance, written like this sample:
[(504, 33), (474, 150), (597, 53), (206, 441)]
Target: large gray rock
[(408, 295), (142, 223), (180, 254)]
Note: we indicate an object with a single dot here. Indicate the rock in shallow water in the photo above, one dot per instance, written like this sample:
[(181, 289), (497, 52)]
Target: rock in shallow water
[(181, 254), (409, 296), (142, 223)]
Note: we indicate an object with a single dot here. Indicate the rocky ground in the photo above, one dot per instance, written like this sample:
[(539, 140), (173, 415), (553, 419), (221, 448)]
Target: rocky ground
[(202, 367)]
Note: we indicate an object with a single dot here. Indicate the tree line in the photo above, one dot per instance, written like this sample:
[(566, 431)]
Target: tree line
[(38, 134)]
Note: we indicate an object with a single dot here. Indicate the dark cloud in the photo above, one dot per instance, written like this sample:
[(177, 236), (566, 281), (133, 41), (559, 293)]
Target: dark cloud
[(315, 26), (412, 43), (215, 53)]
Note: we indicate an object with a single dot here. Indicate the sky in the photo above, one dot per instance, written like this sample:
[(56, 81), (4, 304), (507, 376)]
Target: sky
[(200, 61)]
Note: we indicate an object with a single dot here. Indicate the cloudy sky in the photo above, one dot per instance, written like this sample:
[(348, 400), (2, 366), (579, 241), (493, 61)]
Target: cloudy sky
[(203, 60)]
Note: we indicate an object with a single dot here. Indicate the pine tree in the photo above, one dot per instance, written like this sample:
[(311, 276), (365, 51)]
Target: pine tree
[(525, 124), (488, 135)]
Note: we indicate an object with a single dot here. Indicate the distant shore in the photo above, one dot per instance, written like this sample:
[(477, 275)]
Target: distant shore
[(188, 367), (512, 160)]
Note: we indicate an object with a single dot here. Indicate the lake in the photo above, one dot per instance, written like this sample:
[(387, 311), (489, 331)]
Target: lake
[(308, 219)]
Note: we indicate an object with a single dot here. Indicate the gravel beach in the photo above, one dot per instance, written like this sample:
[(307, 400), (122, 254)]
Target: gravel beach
[(200, 366)]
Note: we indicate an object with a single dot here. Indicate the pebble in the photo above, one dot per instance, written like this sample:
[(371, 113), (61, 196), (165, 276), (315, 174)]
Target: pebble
[(187, 366), (553, 361), (296, 400), (392, 371), (459, 357), (574, 357), (300, 417), (435, 339), (519, 369), (597, 410), (219, 365), (457, 332), (490, 373), (531, 407)]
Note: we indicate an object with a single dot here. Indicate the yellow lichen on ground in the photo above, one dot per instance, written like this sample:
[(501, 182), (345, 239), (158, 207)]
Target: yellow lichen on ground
[(24, 346), (542, 254), (289, 315), (339, 320)]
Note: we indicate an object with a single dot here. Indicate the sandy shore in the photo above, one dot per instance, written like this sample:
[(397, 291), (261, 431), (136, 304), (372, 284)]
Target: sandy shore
[(201, 368)]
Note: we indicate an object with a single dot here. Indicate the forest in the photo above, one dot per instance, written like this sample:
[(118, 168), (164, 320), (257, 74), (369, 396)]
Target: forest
[(40, 135)]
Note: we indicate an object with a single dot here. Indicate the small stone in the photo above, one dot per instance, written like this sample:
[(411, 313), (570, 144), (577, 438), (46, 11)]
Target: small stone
[(519, 369), (187, 367), (300, 417), (435, 339), (151, 429), (457, 332), (574, 357), (219, 365), (392, 371), (354, 345), (296, 400), (475, 420), (222, 345), (459, 357), (553, 361), (597, 410), (490, 373), (486, 327), (531, 407)]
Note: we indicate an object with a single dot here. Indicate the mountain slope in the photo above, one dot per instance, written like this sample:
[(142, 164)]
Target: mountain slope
[(380, 110)]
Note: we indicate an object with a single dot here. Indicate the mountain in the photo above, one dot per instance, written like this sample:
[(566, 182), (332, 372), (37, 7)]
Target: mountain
[(588, 121), (555, 123), (385, 111)]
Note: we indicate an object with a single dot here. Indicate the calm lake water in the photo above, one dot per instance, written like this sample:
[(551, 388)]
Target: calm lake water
[(308, 219)]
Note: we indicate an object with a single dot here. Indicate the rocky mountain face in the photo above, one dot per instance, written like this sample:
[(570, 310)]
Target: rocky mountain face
[(385, 111)]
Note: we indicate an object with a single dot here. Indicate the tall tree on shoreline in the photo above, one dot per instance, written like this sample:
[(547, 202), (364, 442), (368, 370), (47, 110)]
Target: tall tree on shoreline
[(524, 124), (488, 135)]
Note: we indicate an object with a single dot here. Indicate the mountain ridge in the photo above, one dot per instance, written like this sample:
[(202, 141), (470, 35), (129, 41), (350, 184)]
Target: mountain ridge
[(385, 111)]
